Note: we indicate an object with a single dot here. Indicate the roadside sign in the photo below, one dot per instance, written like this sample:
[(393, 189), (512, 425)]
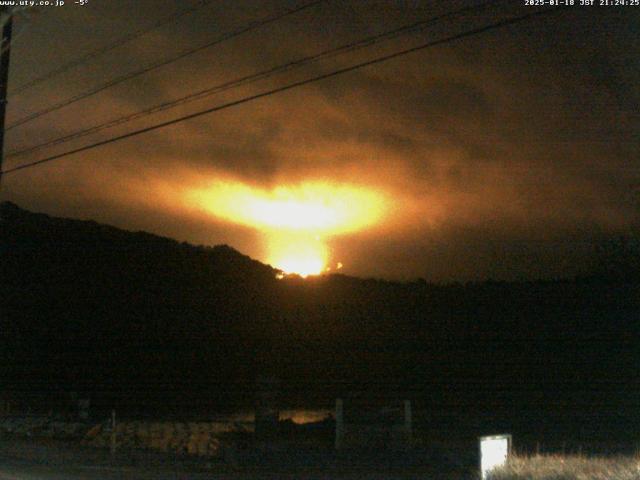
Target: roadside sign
[(494, 452)]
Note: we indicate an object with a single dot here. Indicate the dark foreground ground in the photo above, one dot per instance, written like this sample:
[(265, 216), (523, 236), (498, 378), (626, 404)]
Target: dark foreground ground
[(27, 459)]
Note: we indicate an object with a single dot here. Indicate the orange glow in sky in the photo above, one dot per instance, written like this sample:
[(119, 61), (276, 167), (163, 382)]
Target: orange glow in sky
[(295, 220)]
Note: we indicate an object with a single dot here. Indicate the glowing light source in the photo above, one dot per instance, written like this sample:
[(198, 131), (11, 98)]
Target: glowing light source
[(296, 220), (301, 254), (313, 206)]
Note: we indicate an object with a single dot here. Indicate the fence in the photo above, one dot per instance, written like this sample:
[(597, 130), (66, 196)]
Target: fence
[(388, 427)]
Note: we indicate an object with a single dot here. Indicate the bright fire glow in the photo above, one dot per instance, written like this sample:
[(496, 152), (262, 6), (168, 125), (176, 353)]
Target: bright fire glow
[(296, 220), (313, 207), (301, 254)]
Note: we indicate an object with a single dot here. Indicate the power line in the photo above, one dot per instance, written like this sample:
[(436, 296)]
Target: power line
[(161, 63), (102, 50), (290, 86), (350, 47)]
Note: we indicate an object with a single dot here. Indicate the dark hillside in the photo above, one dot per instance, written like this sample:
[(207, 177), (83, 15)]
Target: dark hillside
[(137, 320)]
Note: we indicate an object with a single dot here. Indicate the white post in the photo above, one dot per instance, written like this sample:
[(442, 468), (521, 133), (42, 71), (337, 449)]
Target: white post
[(339, 423), (408, 423), (494, 452), (113, 432)]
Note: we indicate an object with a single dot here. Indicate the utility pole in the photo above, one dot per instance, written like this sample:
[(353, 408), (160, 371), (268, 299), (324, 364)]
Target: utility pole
[(6, 16)]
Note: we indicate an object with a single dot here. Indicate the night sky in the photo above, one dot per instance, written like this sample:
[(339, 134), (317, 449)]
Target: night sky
[(510, 154)]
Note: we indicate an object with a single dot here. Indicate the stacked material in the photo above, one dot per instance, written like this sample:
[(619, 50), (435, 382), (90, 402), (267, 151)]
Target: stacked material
[(192, 438), (42, 426), (185, 438)]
